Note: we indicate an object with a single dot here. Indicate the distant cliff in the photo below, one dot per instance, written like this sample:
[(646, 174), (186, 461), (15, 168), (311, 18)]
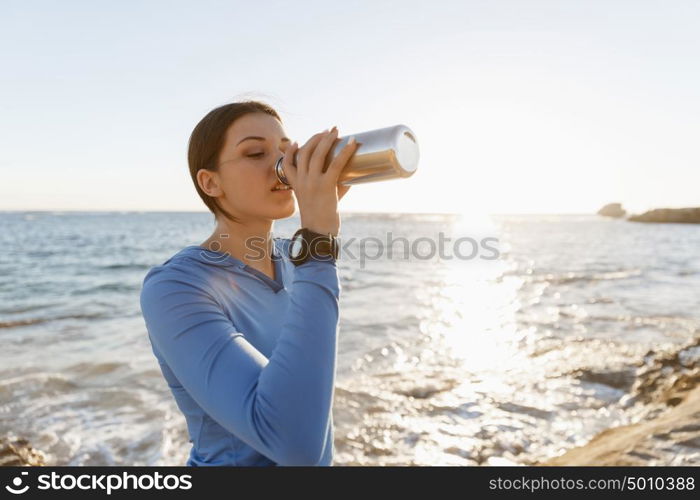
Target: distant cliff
[(670, 215), (678, 215), (612, 210)]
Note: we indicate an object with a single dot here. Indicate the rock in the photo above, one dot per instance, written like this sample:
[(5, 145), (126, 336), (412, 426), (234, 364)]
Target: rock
[(690, 357), (665, 440), (669, 215), (618, 379), (668, 376), (612, 210), (18, 452)]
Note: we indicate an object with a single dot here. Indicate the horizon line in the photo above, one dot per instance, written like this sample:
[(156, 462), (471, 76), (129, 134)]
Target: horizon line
[(348, 212)]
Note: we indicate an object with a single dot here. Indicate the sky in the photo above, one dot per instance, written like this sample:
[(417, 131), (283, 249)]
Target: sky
[(518, 106)]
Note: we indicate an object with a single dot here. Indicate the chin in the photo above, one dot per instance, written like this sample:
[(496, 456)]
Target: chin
[(284, 212)]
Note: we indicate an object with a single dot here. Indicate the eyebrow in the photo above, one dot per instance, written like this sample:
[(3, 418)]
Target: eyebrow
[(258, 138)]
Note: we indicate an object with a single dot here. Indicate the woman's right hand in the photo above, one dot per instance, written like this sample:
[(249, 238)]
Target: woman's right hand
[(316, 190)]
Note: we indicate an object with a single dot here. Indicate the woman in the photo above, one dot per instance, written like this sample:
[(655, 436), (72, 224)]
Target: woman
[(247, 340)]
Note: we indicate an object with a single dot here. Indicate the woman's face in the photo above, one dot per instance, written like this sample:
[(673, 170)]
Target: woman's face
[(246, 175)]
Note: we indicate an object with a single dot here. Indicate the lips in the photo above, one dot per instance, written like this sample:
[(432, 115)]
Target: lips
[(281, 187)]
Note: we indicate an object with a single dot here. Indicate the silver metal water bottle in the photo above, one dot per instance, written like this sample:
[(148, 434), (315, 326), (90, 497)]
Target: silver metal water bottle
[(383, 154)]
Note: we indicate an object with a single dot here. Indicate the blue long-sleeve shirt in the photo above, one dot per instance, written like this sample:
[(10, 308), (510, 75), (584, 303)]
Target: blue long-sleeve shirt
[(250, 360)]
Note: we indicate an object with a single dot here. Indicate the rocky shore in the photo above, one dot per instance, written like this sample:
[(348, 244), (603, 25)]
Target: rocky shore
[(667, 386), (16, 452)]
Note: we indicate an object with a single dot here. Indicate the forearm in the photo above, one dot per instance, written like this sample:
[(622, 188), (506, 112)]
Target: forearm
[(295, 389)]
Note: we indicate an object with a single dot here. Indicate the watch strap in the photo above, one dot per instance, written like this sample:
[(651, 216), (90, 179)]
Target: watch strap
[(310, 245)]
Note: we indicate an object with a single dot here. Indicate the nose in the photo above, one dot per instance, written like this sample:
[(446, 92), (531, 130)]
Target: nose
[(284, 145)]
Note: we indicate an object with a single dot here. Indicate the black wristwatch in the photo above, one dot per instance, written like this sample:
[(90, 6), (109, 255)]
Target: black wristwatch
[(306, 244)]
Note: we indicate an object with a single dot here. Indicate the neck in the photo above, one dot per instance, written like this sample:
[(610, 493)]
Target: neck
[(248, 240)]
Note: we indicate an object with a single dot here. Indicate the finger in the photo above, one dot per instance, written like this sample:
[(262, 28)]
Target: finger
[(342, 159), (290, 170), (305, 153), (333, 147), (320, 154)]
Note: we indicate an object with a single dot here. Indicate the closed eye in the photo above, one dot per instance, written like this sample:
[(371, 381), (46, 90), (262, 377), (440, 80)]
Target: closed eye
[(256, 155)]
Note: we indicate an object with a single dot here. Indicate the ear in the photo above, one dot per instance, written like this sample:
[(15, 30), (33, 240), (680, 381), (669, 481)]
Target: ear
[(209, 182)]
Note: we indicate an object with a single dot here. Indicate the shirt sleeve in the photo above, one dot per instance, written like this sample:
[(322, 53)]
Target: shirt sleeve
[(280, 406)]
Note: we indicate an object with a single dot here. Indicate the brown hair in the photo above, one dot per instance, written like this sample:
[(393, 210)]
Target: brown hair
[(207, 139)]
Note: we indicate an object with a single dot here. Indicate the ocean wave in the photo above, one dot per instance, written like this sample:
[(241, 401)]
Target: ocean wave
[(569, 277), (575, 277), (22, 322), (108, 287), (36, 321), (37, 382), (90, 369), (129, 267), (25, 308)]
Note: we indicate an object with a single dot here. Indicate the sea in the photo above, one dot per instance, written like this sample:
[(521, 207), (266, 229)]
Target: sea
[(463, 340)]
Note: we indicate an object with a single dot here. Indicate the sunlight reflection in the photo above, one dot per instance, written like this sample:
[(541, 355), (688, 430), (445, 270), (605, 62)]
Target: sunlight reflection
[(474, 307)]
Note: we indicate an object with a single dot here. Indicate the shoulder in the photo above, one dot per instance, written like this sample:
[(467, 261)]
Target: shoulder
[(182, 270)]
